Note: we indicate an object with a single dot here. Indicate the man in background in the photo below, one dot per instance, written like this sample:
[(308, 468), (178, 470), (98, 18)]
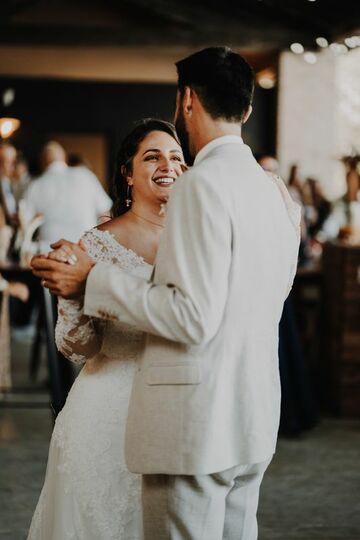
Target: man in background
[(21, 178), (7, 167), (70, 202)]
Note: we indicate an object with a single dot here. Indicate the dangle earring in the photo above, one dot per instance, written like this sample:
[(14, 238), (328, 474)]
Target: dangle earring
[(128, 199), (162, 209)]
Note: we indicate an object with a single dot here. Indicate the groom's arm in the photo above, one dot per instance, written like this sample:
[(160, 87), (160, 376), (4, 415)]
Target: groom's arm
[(187, 299)]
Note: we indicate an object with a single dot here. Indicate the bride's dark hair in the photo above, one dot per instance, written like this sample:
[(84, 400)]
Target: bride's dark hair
[(124, 160)]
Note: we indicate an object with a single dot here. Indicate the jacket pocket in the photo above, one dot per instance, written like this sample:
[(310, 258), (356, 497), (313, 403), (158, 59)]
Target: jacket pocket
[(157, 375)]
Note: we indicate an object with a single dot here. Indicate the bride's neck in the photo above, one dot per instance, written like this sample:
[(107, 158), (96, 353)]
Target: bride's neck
[(149, 213)]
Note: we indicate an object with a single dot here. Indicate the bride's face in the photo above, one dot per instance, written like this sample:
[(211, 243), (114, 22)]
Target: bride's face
[(155, 168)]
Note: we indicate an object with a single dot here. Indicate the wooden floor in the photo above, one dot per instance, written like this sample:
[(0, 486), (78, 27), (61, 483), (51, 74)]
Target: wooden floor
[(310, 491)]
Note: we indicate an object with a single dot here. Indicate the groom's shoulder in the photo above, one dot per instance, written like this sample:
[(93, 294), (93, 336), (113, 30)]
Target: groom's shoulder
[(197, 176)]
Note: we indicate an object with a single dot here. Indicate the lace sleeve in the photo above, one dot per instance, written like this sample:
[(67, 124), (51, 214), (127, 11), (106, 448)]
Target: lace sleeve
[(77, 336)]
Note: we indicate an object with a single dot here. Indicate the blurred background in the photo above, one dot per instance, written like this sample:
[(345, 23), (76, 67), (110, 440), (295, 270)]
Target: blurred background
[(74, 77)]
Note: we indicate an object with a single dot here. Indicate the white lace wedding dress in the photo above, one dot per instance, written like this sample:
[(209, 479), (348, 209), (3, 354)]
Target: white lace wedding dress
[(88, 492)]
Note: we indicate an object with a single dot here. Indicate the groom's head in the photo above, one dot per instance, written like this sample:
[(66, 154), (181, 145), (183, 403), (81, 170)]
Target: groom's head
[(215, 85)]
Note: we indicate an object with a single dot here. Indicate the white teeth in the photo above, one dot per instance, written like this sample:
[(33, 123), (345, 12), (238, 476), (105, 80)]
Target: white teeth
[(164, 181)]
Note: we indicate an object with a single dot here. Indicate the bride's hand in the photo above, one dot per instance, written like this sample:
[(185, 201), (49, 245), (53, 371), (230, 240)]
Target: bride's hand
[(63, 254), (68, 279)]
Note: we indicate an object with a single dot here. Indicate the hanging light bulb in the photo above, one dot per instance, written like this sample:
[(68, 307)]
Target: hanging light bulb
[(322, 42), (297, 48), (266, 78), (338, 48), (352, 42), (310, 57), (8, 126), (8, 97)]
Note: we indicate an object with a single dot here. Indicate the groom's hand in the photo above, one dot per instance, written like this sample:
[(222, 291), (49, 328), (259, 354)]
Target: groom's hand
[(65, 279)]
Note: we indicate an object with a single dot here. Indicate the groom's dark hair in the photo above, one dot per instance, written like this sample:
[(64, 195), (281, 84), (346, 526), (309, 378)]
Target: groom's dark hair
[(222, 79)]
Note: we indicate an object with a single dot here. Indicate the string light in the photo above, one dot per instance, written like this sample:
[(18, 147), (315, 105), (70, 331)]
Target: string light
[(297, 48), (338, 48), (352, 42), (310, 57), (266, 78), (8, 126), (322, 42), (8, 97)]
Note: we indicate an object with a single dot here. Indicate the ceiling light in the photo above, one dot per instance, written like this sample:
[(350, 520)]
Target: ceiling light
[(297, 48), (266, 78), (352, 42), (8, 97), (322, 42), (310, 58), (8, 126), (338, 48)]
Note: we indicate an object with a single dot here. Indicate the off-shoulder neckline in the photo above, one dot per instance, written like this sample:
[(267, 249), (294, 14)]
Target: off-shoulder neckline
[(112, 238)]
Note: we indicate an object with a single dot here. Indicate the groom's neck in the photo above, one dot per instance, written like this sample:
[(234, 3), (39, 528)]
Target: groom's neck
[(209, 129)]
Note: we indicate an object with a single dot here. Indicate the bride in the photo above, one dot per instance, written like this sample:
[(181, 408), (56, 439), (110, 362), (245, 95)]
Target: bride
[(88, 492)]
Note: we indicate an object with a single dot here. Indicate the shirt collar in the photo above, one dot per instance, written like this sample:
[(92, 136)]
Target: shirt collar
[(219, 141)]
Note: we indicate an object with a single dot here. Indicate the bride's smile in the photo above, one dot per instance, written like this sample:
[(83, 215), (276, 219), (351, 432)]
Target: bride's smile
[(155, 167)]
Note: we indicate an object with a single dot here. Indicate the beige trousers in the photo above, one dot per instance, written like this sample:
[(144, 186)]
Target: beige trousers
[(219, 506)]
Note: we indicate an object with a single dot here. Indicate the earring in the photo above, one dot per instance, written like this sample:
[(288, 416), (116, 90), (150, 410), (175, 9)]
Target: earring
[(128, 199), (162, 209)]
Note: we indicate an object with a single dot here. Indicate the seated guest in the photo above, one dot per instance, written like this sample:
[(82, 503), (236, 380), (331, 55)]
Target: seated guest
[(16, 290), (71, 203), (345, 213), (7, 167), (21, 178), (269, 164)]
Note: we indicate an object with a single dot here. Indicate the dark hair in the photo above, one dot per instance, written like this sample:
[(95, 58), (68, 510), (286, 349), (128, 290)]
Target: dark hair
[(124, 160), (222, 79)]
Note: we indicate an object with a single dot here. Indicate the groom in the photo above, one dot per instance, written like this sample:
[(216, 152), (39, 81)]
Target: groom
[(204, 410)]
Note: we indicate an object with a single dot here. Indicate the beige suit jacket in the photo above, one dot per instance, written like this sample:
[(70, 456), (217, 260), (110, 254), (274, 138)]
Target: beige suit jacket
[(206, 395)]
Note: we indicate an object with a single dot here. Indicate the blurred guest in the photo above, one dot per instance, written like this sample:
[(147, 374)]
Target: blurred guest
[(7, 168), (6, 235), (344, 218), (269, 164), (21, 178), (298, 408), (295, 187), (295, 184), (319, 204), (71, 202), (16, 290), (82, 167), (77, 160)]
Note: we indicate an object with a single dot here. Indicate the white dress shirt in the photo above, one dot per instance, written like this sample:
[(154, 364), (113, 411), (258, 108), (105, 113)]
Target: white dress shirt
[(70, 201), (8, 196)]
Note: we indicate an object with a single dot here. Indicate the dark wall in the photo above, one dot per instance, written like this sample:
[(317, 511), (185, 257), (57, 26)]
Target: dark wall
[(46, 106)]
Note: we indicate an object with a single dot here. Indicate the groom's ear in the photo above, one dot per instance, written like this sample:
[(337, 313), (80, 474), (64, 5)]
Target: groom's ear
[(187, 100), (247, 114)]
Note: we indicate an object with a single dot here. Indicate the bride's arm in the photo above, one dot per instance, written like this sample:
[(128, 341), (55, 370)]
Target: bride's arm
[(77, 336)]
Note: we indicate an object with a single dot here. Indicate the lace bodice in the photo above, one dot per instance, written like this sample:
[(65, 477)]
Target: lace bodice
[(80, 337)]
